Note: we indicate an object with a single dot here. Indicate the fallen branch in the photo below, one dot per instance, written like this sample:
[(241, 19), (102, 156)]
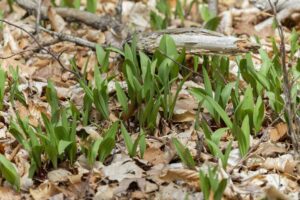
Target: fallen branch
[(194, 40), (197, 41), (69, 14)]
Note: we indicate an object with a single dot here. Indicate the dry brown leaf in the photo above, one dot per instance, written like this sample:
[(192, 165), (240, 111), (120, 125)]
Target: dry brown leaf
[(184, 116), (158, 153), (44, 191), (33, 111), (273, 193), (7, 193), (269, 149), (58, 175), (279, 132), (284, 163), (191, 177), (123, 167)]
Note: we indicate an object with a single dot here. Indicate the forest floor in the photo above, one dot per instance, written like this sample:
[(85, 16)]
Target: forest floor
[(79, 121)]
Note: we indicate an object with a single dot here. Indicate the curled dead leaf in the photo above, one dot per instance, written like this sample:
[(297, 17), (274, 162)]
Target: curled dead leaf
[(58, 175), (279, 132), (191, 177)]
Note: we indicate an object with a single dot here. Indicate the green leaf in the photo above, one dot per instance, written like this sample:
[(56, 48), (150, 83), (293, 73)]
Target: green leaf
[(218, 194), (207, 83), (127, 139), (9, 172), (142, 143), (62, 145), (184, 154), (204, 184), (244, 137), (258, 114), (168, 46), (91, 6), (214, 104), (122, 98), (102, 57), (294, 42), (2, 87), (212, 24), (52, 98), (206, 14), (106, 146), (101, 102), (93, 152)]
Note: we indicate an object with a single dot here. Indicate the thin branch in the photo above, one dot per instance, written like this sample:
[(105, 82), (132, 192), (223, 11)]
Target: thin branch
[(290, 115), (70, 38)]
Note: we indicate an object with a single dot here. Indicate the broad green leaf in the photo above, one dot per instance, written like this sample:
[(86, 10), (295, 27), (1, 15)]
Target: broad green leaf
[(106, 146), (103, 58), (101, 103), (244, 142), (206, 14), (212, 24), (220, 111), (142, 143), (9, 172), (52, 98), (184, 154), (62, 145), (127, 138), (218, 194), (91, 6), (93, 152), (258, 114), (207, 83), (167, 45), (122, 98), (204, 184)]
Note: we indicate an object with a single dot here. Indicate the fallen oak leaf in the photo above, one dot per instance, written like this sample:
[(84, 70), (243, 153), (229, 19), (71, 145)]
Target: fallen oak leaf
[(279, 132), (191, 177)]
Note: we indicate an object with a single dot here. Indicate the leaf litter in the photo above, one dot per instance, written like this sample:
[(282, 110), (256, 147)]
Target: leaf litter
[(270, 171)]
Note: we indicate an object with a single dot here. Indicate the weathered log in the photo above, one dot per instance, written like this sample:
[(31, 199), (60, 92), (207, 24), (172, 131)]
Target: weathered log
[(69, 14), (197, 41)]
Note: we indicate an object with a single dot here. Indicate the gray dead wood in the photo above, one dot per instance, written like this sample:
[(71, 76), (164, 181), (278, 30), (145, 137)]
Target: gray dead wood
[(69, 14), (197, 41), (194, 40), (285, 9)]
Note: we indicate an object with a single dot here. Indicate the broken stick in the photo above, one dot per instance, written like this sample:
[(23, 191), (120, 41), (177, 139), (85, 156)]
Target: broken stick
[(197, 41)]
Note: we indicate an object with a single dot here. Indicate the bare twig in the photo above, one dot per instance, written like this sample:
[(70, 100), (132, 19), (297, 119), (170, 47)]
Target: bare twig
[(42, 47), (290, 115), (70, 38)]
